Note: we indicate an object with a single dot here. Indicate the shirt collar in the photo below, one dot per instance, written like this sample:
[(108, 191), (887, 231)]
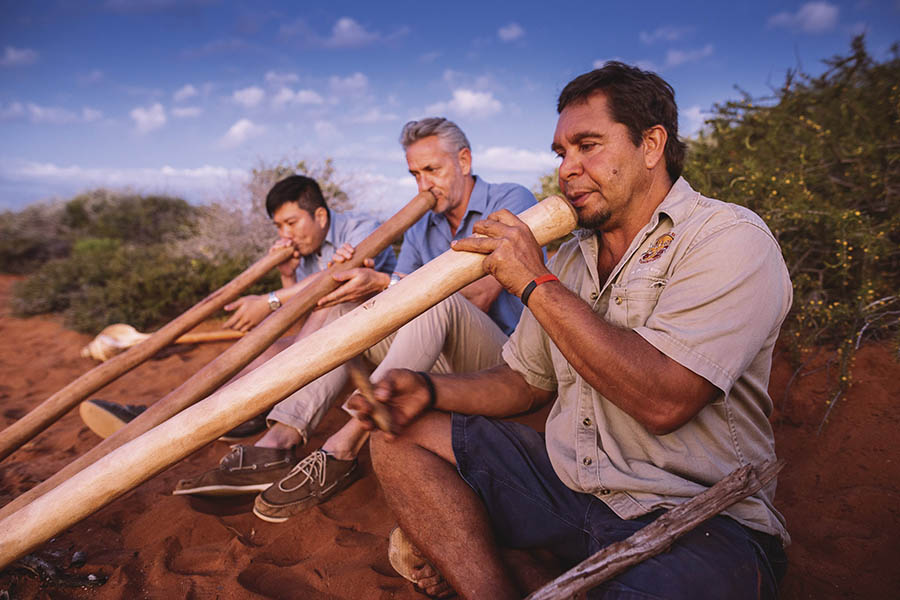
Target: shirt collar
[(331, 234), (477, 201), (678, 204)]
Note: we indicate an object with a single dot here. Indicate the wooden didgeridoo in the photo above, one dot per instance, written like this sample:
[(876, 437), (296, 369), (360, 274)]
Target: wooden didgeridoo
[(59, 403), (210, 377), (135, 462)]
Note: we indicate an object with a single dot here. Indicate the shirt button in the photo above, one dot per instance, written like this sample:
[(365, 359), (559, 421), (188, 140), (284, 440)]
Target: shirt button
[(586, 461), (618, 300), (594, 295), (605, 492), (587, 422)]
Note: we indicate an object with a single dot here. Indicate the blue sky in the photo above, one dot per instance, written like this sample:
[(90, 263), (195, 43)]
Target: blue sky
[(184, 97)]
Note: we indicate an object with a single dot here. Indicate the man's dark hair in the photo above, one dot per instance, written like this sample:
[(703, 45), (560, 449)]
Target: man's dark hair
[(637, 99), (296, 188)]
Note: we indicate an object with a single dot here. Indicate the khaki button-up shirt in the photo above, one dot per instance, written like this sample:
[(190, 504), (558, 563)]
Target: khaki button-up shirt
[(704, 282)]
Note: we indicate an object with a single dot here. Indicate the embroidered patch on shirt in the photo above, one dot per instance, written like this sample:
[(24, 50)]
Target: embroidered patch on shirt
[(658, 248)]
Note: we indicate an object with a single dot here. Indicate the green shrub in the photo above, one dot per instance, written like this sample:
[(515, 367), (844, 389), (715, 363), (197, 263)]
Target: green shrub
[(105, 281), (31, 237), (127, 216), (820, 162)]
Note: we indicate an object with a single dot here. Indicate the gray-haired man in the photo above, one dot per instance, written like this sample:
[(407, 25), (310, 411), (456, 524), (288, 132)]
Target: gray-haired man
[(462, 334)]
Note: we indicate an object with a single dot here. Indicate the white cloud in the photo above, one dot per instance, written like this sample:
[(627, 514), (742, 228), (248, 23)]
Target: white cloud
[(240, 132), (18, 57), (185, 92), (186, 112), (150, 118), (326, 130), (664, 34), (509, 159), (373, 115), (89, 115), (95, 76), (276, 79), (812, 17), (351, 85), (12, 111), (197, 180), (679, 57), (53, 115), (691, 120), (249, 96), (347, 33), (288, 96), (468, 103), (511, 32), (429, 57)]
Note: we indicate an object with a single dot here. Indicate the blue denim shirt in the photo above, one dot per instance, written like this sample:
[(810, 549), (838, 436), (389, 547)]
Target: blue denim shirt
[(431, 236), (344, 229)]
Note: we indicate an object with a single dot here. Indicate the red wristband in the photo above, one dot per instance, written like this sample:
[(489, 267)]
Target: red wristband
[(534, 283)]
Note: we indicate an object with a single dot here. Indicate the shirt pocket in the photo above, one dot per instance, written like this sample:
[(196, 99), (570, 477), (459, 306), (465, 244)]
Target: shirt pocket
[(640, 296)]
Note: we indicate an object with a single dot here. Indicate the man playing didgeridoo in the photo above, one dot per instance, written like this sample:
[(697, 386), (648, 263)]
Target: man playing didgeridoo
[(461, 334), (654, 327), (318, 236)]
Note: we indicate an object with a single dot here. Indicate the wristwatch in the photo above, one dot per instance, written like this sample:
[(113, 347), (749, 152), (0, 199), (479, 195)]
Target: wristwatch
[(274, 302)]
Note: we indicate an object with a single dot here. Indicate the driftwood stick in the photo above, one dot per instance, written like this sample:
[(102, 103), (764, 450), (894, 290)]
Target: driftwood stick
[(229, 363), (656, 537), (59, 403), (133, 463)]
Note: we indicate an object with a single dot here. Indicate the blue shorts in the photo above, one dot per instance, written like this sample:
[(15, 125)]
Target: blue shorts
[(529, 507)]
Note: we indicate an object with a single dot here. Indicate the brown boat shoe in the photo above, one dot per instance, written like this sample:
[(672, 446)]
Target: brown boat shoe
[(244, 470), (313, 480)]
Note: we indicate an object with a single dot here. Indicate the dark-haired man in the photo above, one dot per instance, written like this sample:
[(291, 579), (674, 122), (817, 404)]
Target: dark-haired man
[(318, 236), (654, 327)]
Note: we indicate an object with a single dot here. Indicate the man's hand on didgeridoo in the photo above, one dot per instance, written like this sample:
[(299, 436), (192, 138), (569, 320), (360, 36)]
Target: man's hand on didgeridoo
[(403, 392), (513, 255)]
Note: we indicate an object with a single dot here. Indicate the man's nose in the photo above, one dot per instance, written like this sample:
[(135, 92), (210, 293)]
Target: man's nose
[(569, 167)]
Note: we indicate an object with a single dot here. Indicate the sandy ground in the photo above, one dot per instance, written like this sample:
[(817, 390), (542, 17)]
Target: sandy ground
[(840, 492)]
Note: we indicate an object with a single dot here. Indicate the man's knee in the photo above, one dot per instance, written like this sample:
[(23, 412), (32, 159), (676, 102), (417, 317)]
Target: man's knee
[(430, 433)]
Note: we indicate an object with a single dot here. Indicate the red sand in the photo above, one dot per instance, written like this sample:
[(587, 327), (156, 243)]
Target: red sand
[(840, 492)]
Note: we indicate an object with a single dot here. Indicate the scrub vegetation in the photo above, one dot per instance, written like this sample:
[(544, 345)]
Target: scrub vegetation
[(106, 257), (820, 162)]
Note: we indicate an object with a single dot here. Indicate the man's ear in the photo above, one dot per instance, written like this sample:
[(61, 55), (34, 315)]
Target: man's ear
[(321, 217), (465, 161), (654, 145)]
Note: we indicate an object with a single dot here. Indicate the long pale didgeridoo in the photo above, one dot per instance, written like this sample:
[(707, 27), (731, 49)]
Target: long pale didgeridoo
[(135, 462), (210, 377), (62, 401)]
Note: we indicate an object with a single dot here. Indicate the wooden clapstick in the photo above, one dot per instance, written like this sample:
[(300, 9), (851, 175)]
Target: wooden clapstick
[(135, 462)]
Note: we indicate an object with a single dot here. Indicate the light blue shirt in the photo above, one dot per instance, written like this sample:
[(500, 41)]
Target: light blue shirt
[(430, 237), (344, 229)]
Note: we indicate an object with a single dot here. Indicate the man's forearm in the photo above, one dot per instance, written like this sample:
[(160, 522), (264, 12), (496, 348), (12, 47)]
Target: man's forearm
[(621, 365), (496, 392)]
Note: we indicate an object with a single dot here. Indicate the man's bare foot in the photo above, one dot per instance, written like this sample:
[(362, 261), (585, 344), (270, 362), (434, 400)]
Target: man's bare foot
[(413, 566)]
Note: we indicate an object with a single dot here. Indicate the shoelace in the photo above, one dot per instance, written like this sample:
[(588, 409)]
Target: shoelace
[(236, 450), (313, 467)]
